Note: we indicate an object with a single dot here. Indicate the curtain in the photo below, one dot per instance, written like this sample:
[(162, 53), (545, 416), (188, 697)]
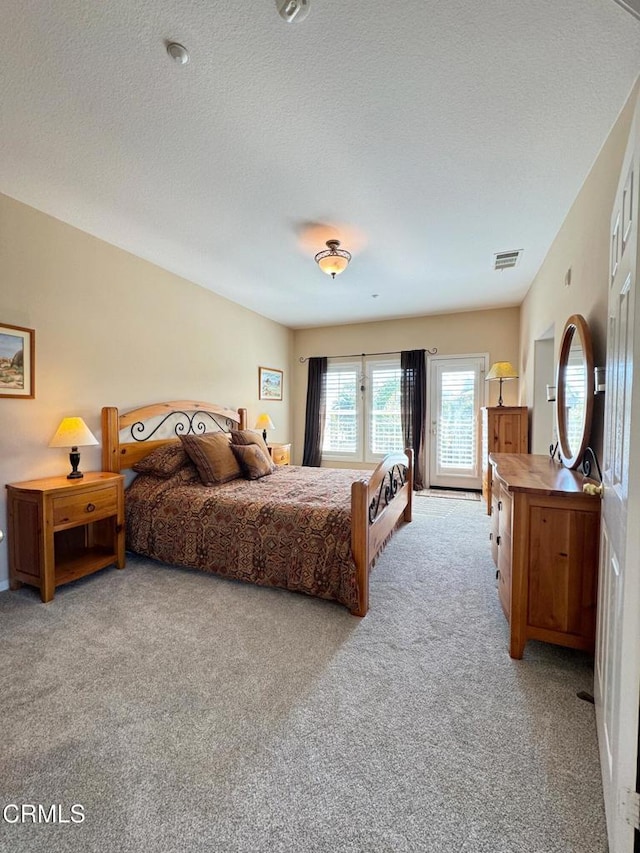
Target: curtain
[(316, 407), (413, 406)]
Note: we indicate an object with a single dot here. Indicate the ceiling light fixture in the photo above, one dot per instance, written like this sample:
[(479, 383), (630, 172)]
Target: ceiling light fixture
[(178, 52), (333, 260)]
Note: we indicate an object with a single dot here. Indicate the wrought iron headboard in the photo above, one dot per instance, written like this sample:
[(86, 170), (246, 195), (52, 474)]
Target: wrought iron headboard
[(190, 418)]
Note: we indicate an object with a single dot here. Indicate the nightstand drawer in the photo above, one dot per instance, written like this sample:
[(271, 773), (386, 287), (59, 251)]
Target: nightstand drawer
[(281, 454), (84, 506)]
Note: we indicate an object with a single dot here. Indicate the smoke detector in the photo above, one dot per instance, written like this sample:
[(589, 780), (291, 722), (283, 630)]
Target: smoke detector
[(293, 11), (178, 52)]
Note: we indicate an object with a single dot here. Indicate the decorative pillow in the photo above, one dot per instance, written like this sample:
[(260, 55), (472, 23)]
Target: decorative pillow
[(253, 460), (164, 461), (248, 436), (212, 456)]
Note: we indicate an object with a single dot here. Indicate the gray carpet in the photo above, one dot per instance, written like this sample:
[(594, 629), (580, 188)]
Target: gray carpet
[(188, 713)]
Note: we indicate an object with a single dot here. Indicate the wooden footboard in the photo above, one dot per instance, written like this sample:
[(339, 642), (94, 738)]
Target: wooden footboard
[(376, 507)]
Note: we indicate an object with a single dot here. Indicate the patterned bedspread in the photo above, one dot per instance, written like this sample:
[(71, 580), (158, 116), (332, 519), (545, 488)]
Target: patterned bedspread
[(291, 529)]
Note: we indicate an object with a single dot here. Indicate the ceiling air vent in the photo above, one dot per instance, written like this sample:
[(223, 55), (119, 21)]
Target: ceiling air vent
[(506, 260)]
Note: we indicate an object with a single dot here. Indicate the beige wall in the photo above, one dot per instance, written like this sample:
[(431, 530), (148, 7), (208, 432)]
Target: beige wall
[(112, 329), (582, 245), (495, 332)]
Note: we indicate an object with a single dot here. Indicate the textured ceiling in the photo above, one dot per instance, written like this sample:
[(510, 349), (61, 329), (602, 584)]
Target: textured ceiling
[(426, 135)]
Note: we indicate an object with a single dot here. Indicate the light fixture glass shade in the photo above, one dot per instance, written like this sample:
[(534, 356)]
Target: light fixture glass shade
[(333, 260), (502, 370), (333, 265), (264, 422), (73, 432)]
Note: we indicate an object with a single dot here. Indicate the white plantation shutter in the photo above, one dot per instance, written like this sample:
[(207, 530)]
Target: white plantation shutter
[(457, 435), (362, 426), (575, 399), (384, 428), (341, 430)]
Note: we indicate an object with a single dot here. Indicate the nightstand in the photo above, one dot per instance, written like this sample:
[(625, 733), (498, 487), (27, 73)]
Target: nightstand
[(61, 529), (280, 453)]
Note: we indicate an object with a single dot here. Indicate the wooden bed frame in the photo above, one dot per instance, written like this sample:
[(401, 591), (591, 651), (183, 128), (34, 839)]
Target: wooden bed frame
[(376, 505)]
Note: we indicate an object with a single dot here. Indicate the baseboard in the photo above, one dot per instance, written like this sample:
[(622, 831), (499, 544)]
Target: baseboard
[(4, 585)]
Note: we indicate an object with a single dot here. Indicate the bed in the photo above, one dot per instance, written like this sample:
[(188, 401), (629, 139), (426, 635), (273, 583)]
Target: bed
[(312, 530)]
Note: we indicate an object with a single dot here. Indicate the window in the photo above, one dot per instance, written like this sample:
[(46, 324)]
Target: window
[(383, 407), (456, 394), (363, 409), (341, 433), (457, 440)]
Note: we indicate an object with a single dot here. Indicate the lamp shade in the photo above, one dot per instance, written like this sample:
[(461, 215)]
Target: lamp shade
[(264, 422), (73, 432), (502, 370)]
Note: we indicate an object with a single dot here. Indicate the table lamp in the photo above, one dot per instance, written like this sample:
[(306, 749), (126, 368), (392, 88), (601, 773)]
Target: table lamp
[(501, 370), (264, 423), (73, 433)]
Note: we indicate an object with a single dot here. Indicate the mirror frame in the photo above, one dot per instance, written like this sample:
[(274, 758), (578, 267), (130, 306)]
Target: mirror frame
[(575, 325)]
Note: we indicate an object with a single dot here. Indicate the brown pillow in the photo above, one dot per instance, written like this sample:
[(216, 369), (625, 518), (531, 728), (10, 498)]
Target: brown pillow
[(248, 436), (164, 461), (212, 456), (253, 460)]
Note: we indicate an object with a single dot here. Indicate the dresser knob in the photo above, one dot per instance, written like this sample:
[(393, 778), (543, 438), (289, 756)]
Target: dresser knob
[(91, 507)]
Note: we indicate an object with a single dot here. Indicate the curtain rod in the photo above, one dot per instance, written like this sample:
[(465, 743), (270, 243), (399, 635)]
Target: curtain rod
[(303, 358)]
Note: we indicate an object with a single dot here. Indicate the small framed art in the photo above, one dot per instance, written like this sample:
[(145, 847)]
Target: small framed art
[(17, 361), (269, 384)]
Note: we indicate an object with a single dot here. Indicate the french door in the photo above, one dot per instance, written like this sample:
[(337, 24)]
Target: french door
[(457, 394)]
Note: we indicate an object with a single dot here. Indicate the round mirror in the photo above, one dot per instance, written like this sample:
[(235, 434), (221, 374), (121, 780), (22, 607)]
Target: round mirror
[(574, 390)]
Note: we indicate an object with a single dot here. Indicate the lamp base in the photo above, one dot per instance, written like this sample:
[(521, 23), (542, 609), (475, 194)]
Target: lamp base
[(74, 458), (264, 435)]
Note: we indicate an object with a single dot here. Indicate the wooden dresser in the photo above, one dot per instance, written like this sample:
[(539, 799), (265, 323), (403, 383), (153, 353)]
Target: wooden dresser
[(505, 429), (545, 543)]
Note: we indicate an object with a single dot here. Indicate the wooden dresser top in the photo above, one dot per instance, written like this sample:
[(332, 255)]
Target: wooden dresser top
[(538, 474)]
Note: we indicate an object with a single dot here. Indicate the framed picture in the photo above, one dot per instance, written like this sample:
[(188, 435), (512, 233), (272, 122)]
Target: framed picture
[(17, 361), (269, 384)]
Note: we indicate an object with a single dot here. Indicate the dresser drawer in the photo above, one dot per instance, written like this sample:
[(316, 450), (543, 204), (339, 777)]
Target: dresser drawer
[(84, 506)]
